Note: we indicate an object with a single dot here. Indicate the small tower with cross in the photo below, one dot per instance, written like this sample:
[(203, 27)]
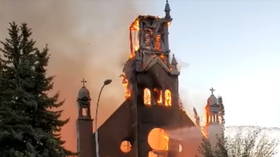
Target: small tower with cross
[(214, 109), (84, 102), (214, 117), (84, 123)]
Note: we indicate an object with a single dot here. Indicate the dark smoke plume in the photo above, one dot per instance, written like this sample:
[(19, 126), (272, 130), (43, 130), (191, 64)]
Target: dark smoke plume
[(87, 39)]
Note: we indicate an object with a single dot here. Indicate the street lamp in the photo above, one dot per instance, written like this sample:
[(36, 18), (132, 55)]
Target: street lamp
[(106, 82)]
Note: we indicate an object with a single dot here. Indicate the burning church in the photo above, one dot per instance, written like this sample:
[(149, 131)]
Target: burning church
[(151, 121)]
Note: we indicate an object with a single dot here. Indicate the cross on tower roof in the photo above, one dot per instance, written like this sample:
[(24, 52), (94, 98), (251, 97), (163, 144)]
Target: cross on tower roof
[(212, 90), (84, 82)]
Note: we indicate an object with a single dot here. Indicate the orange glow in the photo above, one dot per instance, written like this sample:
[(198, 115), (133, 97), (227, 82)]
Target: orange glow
[(180, 148), (169, 24), (159, 100), (136, 47), (134, 41), (157, 42), (147, 97), (152, 154), (162, 56), (125, 146), (158, 139), (204, 131), (168, 98), (125, 83), (131, 55), (135, 25)]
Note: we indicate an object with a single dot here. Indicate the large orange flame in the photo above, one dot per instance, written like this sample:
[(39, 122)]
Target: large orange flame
[(134, 43), (158, 139), (135, 25)]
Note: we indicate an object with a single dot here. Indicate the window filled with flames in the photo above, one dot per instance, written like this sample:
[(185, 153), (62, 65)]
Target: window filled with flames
[(156, 97), (168, 97), (147, 97)]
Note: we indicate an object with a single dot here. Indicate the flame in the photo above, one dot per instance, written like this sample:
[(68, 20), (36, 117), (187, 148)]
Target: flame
[(204, 118), (152, 154), (125, 83), (162, 56), (131, 55), (159, 100), (134, 43), (135, 25), (158, 139), (204, 131), (169, 24), (135, 49), (168, 98), (147, 97)]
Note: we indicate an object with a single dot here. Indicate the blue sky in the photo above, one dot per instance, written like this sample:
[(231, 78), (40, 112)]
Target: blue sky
[(233, 46)]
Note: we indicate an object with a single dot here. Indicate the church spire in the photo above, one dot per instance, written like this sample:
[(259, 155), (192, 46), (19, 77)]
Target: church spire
[(174, 61), (167, 10)]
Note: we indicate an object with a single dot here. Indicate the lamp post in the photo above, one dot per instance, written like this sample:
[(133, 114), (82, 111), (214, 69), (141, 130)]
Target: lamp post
[(106, 82)]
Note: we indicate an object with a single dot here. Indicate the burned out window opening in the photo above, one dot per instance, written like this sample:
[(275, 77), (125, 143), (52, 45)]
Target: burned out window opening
[(158, 96)]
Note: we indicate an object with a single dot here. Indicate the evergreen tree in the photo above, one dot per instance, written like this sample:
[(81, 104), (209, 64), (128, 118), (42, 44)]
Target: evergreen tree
[(29, 120)]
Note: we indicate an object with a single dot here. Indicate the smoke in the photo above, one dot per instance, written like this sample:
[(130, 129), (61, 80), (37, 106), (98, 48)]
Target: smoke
[(87, 39), (189, 137)]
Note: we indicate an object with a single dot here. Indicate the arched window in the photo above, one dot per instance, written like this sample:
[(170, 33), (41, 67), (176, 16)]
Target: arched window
[(84, 112), (168, 97), (147, 97)]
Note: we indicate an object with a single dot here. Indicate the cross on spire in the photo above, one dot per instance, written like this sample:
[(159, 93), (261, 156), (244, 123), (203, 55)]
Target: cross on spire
[(212, 90), (84, 82)]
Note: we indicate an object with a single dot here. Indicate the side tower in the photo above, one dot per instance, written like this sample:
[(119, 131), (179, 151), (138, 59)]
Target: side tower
[(214, 117), (84, 124)]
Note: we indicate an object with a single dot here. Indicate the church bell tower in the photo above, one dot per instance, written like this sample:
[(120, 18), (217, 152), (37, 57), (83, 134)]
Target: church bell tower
[(152, 76), (84, 123), (142, 125), (214, 117)]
